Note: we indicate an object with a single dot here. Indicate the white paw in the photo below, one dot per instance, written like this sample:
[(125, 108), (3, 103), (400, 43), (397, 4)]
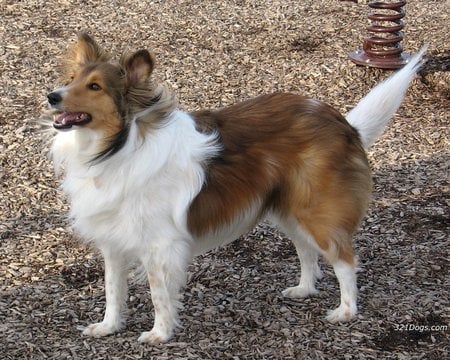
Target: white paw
[(342, 314), (100, 329), (297, 292), (154, 337)]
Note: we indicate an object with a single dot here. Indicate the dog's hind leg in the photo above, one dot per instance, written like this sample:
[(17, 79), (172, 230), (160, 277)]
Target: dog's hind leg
[(339, 254), (308, 256), (116, 289), (325, 227), (310, 271), (336, 246), (346, 275)]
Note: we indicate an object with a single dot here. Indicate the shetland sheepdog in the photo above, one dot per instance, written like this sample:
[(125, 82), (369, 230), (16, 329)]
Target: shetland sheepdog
[(151, 184)]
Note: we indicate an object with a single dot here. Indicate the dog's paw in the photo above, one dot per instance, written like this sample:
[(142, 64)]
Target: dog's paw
[(100, 329), (298, 292), (154, 337), (342, 314)]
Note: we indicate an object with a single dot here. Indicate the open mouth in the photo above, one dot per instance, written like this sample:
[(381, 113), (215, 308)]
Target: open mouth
[(67, 119)]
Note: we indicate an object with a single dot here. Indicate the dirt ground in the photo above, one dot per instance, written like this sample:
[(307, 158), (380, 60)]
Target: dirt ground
[(214, 53)]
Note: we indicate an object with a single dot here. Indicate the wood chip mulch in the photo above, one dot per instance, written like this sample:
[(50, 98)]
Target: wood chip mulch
[(214, 53)]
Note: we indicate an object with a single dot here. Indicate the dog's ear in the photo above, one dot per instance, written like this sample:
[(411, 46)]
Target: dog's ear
[(86, 50), (138, 67)]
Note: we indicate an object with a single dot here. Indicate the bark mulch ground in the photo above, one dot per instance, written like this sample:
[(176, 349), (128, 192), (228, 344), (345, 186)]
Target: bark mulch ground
[(214, 53)]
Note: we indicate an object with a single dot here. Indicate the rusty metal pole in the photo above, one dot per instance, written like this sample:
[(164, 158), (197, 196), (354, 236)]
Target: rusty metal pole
[(383, 48)]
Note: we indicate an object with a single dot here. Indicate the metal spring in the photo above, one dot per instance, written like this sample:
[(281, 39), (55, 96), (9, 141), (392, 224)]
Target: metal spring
[(388, 45), (383, 49)]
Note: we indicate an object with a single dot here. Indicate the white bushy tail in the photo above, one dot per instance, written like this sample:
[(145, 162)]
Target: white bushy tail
[(374, 112)]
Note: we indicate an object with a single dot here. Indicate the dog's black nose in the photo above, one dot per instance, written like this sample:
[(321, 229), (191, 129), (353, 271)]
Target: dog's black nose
[(54, 98)]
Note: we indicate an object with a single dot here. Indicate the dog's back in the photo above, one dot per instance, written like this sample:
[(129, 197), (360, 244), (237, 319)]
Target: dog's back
[(283, 155)]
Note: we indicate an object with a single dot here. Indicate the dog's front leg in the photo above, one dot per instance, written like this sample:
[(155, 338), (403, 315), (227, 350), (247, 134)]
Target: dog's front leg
[(166, 276), (116, 292)]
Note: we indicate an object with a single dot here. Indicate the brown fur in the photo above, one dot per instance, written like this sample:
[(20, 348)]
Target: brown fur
[(298, 156)]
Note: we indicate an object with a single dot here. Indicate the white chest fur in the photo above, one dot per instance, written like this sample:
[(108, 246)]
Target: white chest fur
[(141, 194)]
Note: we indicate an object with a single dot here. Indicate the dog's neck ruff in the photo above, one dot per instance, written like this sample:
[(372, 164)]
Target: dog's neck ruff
[(153, 177)]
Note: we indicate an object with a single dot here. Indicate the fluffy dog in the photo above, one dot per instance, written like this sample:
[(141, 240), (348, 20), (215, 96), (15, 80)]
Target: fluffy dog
[(153, 184)]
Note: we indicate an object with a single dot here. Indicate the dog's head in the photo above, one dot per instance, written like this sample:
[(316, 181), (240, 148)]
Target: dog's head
[(102, 96)]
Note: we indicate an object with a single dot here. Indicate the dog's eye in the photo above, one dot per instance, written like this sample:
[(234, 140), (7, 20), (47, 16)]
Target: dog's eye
[(94, 86)]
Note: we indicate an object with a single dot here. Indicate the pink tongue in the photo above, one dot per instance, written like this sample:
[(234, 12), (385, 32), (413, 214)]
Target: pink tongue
[(70, 118)]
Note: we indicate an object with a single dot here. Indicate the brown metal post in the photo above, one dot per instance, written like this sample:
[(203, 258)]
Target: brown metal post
[(383, 48)]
